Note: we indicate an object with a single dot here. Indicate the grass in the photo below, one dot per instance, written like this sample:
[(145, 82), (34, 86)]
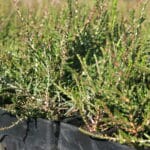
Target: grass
[(77, 58)]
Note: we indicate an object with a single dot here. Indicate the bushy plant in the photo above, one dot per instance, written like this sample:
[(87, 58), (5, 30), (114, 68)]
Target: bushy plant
[(79, 60)]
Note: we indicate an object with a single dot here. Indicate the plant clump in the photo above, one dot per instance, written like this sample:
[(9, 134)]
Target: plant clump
[(79, 59)]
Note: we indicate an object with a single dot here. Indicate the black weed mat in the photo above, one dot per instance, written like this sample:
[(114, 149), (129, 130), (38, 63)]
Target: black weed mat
[(43, 134)]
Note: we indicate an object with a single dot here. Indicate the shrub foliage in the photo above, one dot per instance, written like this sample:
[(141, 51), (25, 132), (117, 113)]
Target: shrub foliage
[(78, 60)]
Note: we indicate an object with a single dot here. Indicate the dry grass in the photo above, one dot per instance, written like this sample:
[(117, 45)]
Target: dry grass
[(124, 6)]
